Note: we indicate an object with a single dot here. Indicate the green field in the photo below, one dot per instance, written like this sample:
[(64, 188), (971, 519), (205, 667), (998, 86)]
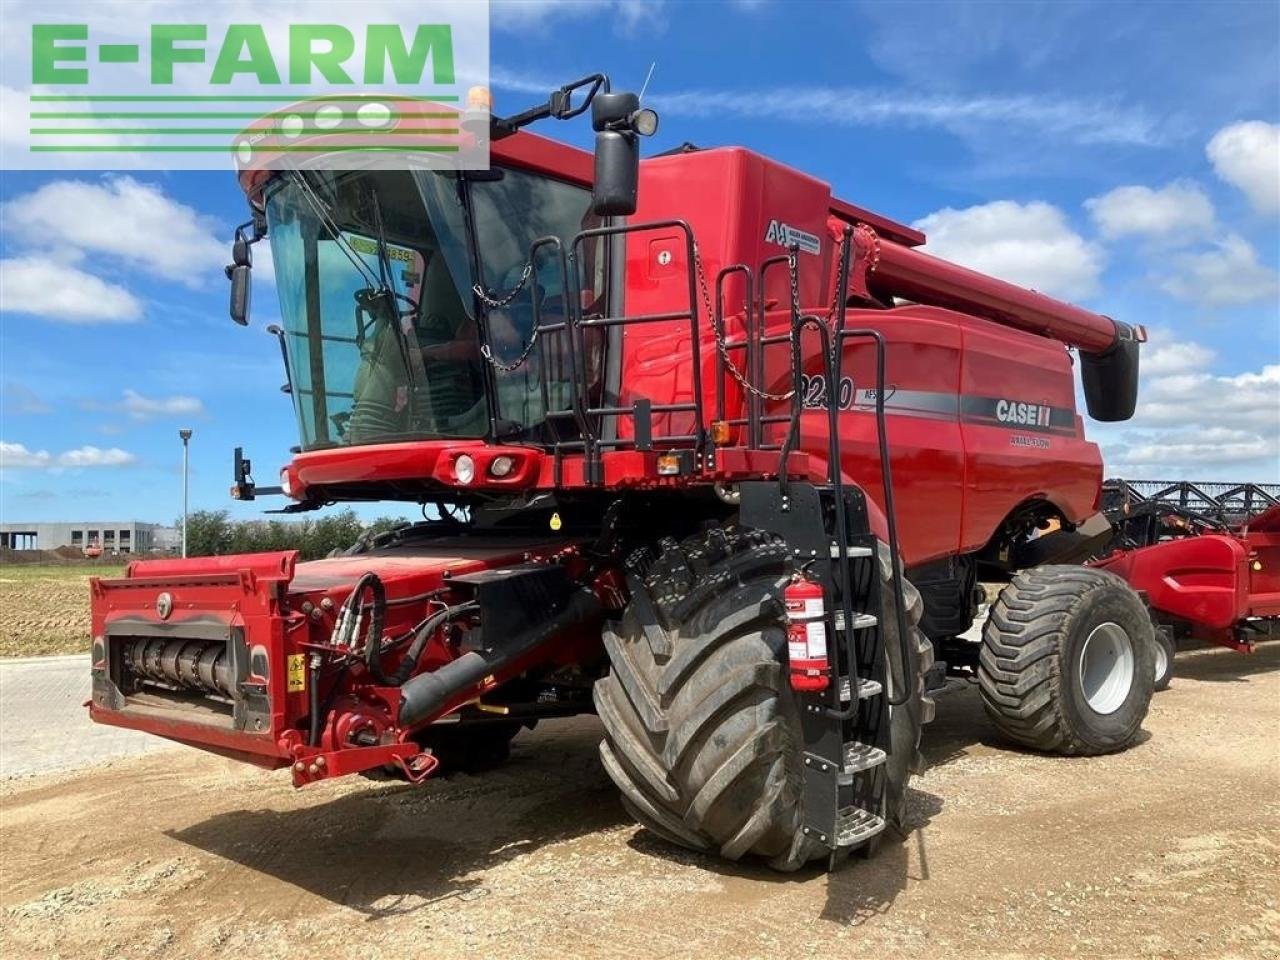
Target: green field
[(44, 608)]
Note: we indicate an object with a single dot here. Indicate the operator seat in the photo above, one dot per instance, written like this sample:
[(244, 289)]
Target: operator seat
[(453, 377)]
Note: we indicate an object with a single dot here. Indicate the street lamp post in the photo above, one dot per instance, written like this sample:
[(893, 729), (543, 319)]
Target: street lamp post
[(186, 438)]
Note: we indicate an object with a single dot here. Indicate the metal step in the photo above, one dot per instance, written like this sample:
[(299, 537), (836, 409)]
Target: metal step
[(854, 552), (861, 621), (855, 825), (866, 688), (857, 758)]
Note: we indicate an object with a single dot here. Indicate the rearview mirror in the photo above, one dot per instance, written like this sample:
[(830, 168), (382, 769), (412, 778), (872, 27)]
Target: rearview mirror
[(619, 122), (240, 276), (617, 174)]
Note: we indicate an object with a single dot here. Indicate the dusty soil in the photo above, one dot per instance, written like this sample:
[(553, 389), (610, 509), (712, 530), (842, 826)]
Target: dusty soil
[(45, 609), (1171, 849)]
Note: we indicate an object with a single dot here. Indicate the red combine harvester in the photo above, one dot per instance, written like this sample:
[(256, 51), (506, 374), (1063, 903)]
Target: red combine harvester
[(705, 450)]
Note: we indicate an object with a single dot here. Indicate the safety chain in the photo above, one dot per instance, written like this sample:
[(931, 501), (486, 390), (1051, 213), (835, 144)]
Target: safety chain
[(834, 344), (717, 328), (518, 362), (497, 303)]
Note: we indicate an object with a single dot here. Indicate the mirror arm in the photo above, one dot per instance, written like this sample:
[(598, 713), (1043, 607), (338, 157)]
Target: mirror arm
[(559, 105)]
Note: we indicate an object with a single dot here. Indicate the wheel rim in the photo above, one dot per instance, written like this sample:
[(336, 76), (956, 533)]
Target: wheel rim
[(1162, 660), (1105, 674)]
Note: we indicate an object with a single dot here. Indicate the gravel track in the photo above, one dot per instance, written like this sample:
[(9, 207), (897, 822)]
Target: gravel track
[(1171, 849)]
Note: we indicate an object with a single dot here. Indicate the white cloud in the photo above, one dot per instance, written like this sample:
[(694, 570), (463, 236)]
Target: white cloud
[(1247, 156), (40, 287), (96, 457), (17, 456), (1029, 244), (1175, 357), (1070, 120), (1199, 399), (1227, 275), (1178, 210), (1213, 445), (1079, 121), (122, 218), (1193, 423), (146, 408)]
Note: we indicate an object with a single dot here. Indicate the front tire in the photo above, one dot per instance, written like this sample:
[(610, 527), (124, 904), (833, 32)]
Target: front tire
[(702, 732), (1066, 663)]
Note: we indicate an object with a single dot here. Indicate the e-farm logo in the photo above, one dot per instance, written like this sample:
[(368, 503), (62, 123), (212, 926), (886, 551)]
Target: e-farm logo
[(319, 83), (316, 51)]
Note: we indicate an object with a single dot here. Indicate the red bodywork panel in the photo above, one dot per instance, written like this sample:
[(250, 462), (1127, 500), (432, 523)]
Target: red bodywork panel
[(1211, 582)]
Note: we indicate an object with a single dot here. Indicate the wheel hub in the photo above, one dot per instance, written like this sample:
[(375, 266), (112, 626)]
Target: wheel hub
[(1162, 660), (1105, 674)]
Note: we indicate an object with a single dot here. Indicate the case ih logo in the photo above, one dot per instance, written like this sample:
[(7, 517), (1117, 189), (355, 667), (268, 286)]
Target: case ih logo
[(784, 235), (1027, 414)]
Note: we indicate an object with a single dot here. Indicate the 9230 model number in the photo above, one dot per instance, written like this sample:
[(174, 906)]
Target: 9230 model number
[(814, 390)]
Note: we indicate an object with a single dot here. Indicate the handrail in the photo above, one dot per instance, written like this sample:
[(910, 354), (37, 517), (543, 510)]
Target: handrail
[(592, 444)]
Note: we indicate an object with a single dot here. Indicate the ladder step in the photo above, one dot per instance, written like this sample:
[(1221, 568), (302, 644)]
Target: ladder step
[(854, 552), (861, 621), (866, 688), (859, 757), (855, 825)]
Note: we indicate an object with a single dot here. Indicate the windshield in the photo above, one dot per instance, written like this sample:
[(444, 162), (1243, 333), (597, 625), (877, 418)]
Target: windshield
[(375, 278)]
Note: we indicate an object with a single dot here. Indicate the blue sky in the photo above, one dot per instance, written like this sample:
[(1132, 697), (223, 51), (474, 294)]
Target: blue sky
[(1126, 157)]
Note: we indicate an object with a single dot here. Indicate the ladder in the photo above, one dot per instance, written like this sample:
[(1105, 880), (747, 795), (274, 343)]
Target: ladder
[(847, 737)]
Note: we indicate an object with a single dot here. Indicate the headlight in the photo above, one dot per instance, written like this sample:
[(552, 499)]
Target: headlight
[(284, 483), (464, 469), (501, 466), (645, 122)]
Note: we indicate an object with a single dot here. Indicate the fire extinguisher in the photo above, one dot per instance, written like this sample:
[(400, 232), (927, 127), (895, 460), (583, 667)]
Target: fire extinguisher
[(806, 635)]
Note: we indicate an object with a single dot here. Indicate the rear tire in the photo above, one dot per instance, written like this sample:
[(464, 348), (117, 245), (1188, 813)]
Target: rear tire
[(702, 733), (1162, 652), (1066, 663)]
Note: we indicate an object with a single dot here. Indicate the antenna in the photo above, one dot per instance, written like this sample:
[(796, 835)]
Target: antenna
[(648, 76)]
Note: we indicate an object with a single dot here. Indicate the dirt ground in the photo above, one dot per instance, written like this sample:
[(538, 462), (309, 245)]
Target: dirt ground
[(1171, 849), (46, 608)]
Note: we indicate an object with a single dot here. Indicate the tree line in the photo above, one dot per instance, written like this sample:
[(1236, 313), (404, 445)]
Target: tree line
[(213, 533)]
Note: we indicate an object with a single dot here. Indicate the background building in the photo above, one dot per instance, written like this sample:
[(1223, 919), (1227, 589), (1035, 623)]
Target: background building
[(113, 536)]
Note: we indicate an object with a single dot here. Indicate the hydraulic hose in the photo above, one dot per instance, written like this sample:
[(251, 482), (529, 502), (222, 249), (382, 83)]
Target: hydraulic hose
[(313, 699), (428, 692), (423, 634), (377, 615)]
